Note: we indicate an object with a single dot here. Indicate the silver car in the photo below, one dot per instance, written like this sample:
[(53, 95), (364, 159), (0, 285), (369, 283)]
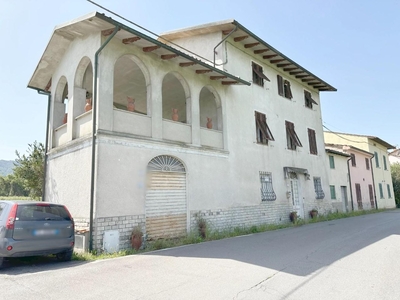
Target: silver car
[(30, 228)]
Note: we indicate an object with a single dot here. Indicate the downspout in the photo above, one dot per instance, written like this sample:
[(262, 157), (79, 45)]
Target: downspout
[(94, 133), (233, 30), (46, 142), (373, 180), (351, 190)]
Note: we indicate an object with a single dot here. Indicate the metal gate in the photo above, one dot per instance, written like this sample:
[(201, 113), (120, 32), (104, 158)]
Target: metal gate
[(166, 212)]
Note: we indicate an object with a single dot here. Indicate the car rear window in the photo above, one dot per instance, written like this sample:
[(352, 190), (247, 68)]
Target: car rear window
[(41, 213)]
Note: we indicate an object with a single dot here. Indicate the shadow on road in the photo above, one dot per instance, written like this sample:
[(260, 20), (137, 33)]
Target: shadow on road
[(299, 250)]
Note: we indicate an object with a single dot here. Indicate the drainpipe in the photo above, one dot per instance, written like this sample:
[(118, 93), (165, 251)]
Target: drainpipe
[(94, 133), (233, 30), (351, 190), (46, 142), (373, 180)]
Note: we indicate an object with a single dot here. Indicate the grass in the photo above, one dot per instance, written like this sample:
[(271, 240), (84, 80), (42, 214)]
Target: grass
[(212, 235), (17, 198)]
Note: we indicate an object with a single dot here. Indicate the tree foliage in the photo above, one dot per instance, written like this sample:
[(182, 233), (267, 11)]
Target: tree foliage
[(395, 168), (12, 186), (29, 169)]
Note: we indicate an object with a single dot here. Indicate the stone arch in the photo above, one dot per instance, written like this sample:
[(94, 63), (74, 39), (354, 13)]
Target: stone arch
[(131, 79), (166, 201), (176, 95), (210, 107)]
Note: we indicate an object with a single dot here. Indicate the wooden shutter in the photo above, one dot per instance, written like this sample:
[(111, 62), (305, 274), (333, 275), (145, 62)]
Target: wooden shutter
[(353, 159), (288, 91), (280, 85), (367, 163), (371, 196), (261, 123), (292, 134), (312, 141)]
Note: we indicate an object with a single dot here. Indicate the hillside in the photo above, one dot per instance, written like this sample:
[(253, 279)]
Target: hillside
[(6, 167)]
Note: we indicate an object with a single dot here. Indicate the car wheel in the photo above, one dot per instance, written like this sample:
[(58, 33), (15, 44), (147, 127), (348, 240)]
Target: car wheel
[(64, 256)]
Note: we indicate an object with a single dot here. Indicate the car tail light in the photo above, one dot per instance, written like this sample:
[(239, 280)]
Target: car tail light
[(43, 204), (9, 248), (11, 217)]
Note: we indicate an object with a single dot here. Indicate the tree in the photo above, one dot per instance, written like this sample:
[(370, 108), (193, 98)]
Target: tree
[(30, 169), (12, 186), (396, 182)]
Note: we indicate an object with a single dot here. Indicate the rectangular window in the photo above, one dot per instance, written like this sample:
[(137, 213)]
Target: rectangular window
[(267, 190), (284, 87), (353, 160), (388, 189), (376, 159), (380, 191), (333, 192), (312, 141), (258, 75), (384, 163), (291, 136), (318, 188), (262, 130), (367, 163), (371, 195), (331, 161), (358, 195), (309, 101)]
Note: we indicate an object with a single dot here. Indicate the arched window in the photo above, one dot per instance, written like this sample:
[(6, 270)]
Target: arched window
[(60, 104), (174, 98), (130, 88), (165, 163), (210, 109)]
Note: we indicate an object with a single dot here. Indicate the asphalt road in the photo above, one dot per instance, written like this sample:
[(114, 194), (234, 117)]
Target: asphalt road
[(353, 258)]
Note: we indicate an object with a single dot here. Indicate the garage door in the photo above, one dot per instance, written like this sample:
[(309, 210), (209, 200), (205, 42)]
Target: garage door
[(166, 212)]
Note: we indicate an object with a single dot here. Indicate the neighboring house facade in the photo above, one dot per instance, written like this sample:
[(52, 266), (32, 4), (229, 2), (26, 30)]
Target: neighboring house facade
[(141, 133), (338, 178), (394, 157), (383, 185)]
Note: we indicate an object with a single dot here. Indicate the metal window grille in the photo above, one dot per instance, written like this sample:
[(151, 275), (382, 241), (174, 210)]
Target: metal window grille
[(318, 188), (165, 163), (267, 190)]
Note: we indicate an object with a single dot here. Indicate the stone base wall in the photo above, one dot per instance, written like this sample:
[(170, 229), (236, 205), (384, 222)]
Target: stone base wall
[(124, 224), (243, 216)]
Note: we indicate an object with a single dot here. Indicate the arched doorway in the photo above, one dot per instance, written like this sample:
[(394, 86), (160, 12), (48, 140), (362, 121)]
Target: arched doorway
[(166, 209)]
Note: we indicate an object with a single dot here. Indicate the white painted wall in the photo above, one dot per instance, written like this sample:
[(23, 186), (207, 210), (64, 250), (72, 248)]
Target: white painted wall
[(339, 176)]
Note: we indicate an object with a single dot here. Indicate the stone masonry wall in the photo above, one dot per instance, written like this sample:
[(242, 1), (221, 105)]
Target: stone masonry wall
[(243, 216), (124, 224)]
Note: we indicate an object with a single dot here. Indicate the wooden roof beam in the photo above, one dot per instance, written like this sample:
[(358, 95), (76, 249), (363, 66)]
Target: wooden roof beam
[(296, 72), (319, 86), (251, 45), (282, 65), (307, 79), (270, 56), (217, 77), (169, 56), (150, 49), (302, 76), (203, 71), (314, 83), (229, 82), (274, 61), (240, 38), (290, 69), (187, 64), (108, 32), (130, 40), (261, 51)]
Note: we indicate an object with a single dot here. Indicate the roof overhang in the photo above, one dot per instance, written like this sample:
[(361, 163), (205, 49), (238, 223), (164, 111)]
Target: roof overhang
[(263, 50), (95, 22)]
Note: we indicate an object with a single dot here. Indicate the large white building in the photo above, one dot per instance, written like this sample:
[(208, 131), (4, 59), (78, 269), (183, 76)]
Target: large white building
[(235, 139)]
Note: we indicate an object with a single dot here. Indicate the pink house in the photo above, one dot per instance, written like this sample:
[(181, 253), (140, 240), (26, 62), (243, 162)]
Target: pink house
[(361, 181)]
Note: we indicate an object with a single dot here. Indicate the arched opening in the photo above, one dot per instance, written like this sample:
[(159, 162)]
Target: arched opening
[(210, 109), (175, 94), (130, 87), (83, 80), (166, 208), (60, 111)]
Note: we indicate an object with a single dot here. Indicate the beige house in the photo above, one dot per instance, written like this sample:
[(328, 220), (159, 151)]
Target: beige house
[(382, 178), (144, 132)]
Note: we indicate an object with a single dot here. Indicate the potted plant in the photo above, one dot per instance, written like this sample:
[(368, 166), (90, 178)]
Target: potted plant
[(313, 213), (293, 216), (202, 226), (136, 237)]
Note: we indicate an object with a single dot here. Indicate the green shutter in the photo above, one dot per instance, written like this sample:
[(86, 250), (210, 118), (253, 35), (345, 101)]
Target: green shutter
[(331, 161)]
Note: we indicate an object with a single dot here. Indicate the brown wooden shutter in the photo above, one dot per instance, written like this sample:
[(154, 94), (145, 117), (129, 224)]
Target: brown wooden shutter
[(312, 141), (280, 85), (288, 90)]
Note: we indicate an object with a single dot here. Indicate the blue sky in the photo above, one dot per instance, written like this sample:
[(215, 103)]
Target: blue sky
[(352, 45)]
